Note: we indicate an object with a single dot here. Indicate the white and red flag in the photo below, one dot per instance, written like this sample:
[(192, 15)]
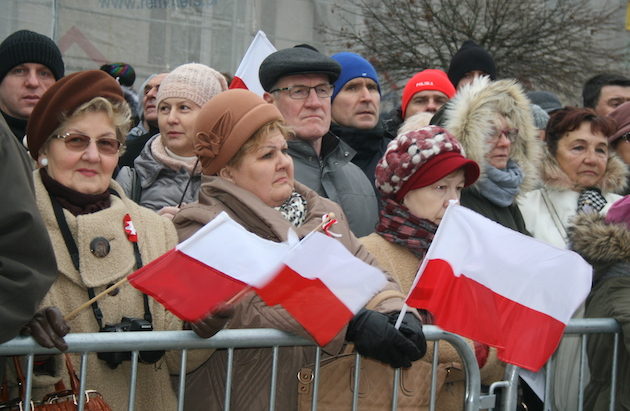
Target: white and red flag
[(246, 75), (499, 287), (318, 281)]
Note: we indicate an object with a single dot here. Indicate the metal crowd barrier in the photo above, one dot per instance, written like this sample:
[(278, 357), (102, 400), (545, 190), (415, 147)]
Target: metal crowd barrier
[(85, 343), (582, 327)]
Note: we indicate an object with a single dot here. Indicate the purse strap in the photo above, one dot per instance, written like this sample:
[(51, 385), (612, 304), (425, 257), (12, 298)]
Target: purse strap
[(59, 385)]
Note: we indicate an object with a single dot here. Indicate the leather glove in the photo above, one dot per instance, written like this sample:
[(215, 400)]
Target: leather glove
[(48, 328), (213, 323), (411, 327), (374, 336)]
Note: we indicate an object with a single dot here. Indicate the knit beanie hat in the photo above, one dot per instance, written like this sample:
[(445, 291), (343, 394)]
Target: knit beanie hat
[(353, 66), (429, 79), (193, 81), (25, 46), (546, 100), (468, 58), (540, 117), (123, 72), (225, 123), (62, 99), (621, 115), (619, 212), (420, 158)]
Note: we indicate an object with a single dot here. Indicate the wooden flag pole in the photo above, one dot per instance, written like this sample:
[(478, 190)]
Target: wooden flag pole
[(72, 315), (97, 297)]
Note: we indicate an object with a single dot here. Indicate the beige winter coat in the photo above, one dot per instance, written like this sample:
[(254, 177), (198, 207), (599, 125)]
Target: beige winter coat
[(252, 367), (403, 265), (156, 235)]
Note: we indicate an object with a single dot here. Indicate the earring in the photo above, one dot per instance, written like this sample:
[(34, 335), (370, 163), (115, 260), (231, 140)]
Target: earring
[(43, 162)]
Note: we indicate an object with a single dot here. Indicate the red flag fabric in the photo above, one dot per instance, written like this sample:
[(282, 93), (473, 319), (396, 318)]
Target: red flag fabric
[(246, 75), (322, 285), (499, 287)]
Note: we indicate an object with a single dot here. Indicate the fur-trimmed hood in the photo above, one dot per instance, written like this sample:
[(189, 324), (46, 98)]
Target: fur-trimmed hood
[(470, 118), (597, 241), (614, 181)]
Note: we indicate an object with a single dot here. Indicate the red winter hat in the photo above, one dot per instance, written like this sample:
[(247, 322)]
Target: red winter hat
[(429, 79), (420, 158)]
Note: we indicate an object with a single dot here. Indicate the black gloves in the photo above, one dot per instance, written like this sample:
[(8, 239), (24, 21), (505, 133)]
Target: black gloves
[(48, 327), (213, 323), (374, 336)]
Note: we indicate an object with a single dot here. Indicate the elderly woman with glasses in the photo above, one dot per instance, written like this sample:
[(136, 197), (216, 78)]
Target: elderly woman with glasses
[(580, 175), (99, 236)]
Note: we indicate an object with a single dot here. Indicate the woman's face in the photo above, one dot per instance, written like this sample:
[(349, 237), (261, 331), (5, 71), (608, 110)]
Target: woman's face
[(583, 155), (176, 120), (88, 171), (500, 143), (266, 171), (430, 202)]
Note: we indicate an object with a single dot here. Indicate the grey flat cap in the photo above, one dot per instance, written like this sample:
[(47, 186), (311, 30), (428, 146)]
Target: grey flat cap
[(545, 99), (296, 60)]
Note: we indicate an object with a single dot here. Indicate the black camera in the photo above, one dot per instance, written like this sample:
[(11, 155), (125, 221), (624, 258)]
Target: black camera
[(113, 359)]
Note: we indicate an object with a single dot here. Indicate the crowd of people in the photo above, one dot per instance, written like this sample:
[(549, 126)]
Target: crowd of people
[(102, 182)]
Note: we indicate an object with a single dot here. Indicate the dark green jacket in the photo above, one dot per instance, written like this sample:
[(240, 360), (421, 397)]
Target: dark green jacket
[(509, 217), (27, 261), (607, 248)]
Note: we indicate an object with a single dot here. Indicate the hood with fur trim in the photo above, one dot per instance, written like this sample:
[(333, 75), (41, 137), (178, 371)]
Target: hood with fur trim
[(599, 242), (614, 181), (470, 116)]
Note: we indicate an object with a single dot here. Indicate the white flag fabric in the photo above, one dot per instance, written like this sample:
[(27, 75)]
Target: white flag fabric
[(246, 75)]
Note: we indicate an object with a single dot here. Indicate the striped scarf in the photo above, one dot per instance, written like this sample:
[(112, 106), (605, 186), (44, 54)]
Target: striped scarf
[(397, 225)]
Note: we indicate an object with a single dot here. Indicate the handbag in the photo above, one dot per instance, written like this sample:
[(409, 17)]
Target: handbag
[(61, 399), (336, 381), (336, 384)]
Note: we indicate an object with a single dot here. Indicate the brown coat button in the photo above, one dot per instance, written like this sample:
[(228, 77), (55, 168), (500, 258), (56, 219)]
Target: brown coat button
[(99, 247)]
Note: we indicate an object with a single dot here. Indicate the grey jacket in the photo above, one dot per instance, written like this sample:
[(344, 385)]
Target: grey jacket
[(161, 185), (333, 176)]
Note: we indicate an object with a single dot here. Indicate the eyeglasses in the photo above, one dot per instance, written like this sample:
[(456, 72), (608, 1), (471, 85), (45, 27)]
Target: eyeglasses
[(80, 142), (302, 92), (510, 133)]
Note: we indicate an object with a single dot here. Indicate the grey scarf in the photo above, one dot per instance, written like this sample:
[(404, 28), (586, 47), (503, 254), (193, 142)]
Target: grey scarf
[(501, 186)]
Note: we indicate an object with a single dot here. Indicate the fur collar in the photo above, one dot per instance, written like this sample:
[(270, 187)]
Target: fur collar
[(614, 180), (470, 116), (598, 241)]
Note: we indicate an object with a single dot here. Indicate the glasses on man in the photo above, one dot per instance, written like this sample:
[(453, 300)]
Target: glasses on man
[(302, 92), (80, 142), (510, 133)]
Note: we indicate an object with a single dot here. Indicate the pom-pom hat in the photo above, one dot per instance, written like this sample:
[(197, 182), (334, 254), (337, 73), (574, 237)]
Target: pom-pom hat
[(419, 158)]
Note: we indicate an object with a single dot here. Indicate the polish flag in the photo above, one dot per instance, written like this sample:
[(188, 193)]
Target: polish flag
[(499, 287), (322, 285), (209, 268), (246, 75), (317, 280)]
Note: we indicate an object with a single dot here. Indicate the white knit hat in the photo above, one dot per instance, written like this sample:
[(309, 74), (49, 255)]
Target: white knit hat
[(193, 81)]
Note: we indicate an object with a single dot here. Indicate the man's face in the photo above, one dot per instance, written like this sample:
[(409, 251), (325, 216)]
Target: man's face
[(310, 117), (22, 87), (469, 77), (357, 104), (149, 98), (429, 101), (611, 97)]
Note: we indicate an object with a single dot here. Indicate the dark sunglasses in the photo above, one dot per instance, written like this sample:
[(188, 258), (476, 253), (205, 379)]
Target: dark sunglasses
[(80, 142)]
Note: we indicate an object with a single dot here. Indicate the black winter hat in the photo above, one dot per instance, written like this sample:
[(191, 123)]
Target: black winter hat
[(468, 58), (25, 46), (296, 60), (123, 72)]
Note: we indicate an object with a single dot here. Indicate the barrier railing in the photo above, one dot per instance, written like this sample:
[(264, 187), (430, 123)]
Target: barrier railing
[(582, 327), (85, 343)]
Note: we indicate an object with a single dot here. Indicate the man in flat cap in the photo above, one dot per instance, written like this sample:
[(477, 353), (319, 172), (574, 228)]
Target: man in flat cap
[(29, 64), (299, 81)]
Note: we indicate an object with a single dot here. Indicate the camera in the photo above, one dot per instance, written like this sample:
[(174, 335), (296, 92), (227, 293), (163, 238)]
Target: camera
[(113, 359)]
